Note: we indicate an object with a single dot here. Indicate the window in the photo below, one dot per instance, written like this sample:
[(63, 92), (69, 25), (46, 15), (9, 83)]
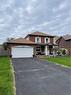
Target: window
[(37, 39), (46, 40)]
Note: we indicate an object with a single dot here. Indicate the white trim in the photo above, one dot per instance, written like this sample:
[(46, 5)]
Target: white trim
[(37, 41), (54, 40), (46, 50), (48, 40), (45, 39), (22, 46)]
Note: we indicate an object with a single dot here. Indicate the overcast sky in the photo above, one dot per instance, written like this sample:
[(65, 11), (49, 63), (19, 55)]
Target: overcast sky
[(20, 17)]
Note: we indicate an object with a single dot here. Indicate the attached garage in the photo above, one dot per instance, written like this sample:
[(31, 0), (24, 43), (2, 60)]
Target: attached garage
[(21, 48)]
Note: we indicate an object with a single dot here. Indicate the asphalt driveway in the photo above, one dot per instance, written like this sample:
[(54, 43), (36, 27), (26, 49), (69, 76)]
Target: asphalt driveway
[(37, 77)]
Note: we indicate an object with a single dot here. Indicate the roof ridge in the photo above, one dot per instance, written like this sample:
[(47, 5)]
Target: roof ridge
[(39, 33)]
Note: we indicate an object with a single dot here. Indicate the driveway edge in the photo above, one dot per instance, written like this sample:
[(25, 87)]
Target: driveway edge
[(57, 64), (14, 84)]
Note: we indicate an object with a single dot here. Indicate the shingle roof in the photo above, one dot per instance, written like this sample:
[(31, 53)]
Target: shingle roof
[(39, 34), (21, 41), (67, 37)]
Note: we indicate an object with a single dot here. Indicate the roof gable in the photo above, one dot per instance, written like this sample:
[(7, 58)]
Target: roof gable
[(67, 37), (58, 40)]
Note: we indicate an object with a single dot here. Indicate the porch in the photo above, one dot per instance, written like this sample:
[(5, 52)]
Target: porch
[(43, 50)]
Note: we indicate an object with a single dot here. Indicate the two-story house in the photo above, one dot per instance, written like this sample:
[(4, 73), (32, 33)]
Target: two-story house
[(44, 43), (36, 43)]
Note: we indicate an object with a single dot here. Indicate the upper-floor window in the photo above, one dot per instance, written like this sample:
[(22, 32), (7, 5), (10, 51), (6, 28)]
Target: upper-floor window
[(37, 39), (46, 40)]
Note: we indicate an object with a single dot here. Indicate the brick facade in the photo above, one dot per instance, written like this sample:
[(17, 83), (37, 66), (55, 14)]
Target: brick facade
[(32, 38), (62, 43)]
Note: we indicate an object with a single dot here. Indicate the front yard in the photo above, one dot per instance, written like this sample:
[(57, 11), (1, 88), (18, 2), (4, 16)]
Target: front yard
[(6, 78), (60, 60)]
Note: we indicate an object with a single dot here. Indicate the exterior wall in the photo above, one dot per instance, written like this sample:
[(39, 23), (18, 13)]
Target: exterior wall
[(62, 43), (32, 38), (69, 50), (68, 46), (51, 40), (68, 43), (65, 44), (42, 40)]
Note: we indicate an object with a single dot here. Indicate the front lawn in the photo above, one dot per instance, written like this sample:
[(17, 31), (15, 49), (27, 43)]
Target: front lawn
[(6, 78), (61, 60)]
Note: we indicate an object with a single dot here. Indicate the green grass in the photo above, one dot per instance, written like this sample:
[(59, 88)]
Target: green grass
[(6, 79), (61, 60)]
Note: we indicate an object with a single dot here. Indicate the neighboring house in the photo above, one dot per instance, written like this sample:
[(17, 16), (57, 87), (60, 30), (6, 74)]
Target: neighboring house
[(36, 43), (65, 42)]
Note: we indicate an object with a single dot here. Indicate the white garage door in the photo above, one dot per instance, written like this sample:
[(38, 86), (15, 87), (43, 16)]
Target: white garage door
[(22, 51)]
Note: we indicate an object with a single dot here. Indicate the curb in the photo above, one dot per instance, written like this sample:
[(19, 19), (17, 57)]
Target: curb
[(14, 84)]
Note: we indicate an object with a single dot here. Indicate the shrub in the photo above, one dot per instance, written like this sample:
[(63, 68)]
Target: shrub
[(58, 52), (64, 52)]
